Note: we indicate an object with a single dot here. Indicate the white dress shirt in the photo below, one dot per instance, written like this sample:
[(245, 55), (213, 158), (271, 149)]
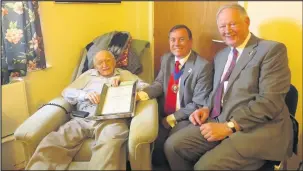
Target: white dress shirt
[(230, 56), (182, 62)]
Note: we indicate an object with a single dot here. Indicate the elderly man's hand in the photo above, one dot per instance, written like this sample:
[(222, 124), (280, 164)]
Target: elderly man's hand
[(215, 131), (93, 97), (199, 116), (115, 82)]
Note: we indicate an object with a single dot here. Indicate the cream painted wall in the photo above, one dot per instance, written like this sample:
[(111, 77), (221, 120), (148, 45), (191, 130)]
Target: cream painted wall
[(282, 21), (68, 28)]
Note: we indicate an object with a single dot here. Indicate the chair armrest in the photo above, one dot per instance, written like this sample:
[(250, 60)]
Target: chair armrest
[(42, 122), (144, 126)]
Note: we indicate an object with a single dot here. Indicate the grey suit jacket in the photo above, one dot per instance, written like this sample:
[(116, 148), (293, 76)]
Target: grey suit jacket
[(195, 86), (255, 99)]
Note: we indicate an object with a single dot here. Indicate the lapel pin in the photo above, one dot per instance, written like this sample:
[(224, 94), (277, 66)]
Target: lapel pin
[(251, 52), (190, 70)]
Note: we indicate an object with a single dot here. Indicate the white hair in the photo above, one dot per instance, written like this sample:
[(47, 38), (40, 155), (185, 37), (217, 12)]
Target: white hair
[(242, 10), (107, 51)]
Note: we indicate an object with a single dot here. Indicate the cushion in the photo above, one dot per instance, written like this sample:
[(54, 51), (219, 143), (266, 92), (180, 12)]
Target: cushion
[(138, 46)]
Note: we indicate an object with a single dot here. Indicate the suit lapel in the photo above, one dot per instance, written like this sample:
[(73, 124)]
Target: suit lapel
[(219, 67), (170, 68), (246, 56), (188, 68)]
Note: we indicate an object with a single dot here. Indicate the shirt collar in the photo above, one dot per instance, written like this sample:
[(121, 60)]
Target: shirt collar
[(242, 46), (96, 73), (183, 60)]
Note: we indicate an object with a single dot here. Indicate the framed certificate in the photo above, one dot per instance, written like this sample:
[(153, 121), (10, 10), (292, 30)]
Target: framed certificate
[(117, 102)]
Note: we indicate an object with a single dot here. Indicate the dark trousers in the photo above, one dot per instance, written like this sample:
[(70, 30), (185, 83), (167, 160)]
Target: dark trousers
[(158, 155), (189, 150)]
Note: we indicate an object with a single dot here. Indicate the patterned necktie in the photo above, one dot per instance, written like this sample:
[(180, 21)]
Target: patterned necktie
[(218, 95), (172, 90)]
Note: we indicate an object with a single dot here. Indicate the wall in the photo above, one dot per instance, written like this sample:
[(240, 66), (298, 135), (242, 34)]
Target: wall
[(68, 28), (170, 13), (282, 21)]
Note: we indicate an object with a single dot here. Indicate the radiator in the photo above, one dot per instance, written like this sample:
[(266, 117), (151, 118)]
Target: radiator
[(14, 107)]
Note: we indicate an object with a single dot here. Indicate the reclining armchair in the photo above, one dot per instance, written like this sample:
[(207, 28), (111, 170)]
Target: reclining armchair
[(143, 128)]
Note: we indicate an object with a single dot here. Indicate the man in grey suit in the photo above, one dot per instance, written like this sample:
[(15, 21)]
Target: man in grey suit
[(249, 121), (182, 86)]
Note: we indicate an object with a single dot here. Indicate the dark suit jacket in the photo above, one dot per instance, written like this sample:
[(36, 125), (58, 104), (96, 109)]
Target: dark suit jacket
[(195, 85), (255, 99)]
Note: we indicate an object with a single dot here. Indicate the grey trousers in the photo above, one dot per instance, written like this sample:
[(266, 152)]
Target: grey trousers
[(57, 149), (187, 149)]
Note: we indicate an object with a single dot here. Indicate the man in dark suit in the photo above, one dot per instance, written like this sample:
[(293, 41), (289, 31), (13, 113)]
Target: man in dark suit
[(182, 86), (249, 121)]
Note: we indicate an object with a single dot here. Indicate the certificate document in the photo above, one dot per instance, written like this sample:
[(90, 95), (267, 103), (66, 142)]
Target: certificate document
[(117, 102)]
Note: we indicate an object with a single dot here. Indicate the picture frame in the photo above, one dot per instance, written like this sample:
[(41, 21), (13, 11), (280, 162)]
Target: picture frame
[(88, 1)]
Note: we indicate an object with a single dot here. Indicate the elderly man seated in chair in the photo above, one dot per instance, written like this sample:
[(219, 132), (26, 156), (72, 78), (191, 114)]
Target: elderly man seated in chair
[(57, 149)]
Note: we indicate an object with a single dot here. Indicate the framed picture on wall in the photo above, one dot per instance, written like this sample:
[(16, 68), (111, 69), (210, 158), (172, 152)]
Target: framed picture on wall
[(88, 1)]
